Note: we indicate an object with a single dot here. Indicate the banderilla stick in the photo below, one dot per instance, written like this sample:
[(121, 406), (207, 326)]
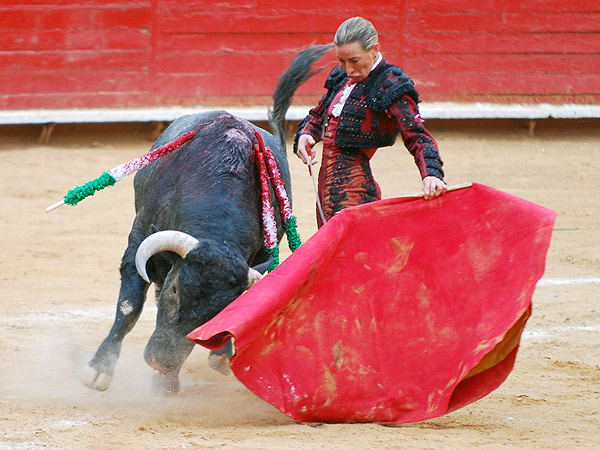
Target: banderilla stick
[(115, 174)]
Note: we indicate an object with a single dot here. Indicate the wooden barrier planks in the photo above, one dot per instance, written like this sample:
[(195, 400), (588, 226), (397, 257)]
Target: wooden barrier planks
[(160, 53)]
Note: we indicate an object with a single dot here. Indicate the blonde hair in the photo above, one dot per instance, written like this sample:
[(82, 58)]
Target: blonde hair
[(357, 29)]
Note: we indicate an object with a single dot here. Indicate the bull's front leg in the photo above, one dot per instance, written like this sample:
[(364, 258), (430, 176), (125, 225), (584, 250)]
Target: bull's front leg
[(219, 359), (99, 371)]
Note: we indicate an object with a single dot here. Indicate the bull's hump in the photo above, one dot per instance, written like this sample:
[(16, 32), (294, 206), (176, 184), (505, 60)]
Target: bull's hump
[(234, 133)]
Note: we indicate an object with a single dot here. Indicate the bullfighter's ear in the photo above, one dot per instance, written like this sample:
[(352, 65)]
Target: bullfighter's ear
[(154, 228)]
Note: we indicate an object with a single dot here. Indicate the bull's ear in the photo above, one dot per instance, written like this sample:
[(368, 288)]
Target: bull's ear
[(253, 277)]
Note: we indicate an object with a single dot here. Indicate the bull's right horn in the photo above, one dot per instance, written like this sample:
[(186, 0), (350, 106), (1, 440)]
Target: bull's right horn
[(254, 276), (163, 241)]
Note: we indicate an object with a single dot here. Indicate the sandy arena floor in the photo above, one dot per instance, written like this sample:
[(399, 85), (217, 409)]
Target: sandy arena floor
[(60, 282)]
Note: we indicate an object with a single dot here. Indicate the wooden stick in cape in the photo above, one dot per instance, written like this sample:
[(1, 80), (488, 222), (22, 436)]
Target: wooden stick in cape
[(115, 174), (450, 188)]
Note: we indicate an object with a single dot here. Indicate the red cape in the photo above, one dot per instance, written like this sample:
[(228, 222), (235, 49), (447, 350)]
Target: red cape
[(395, 311)]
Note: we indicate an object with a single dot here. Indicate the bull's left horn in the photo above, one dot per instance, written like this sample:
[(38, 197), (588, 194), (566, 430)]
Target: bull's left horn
[(163, 241), (254, 276)]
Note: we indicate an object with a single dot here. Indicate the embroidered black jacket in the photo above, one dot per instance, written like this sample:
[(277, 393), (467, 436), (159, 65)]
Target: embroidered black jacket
[(377, 110)]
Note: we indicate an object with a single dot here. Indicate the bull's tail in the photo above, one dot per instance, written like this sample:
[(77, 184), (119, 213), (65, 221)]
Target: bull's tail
[(299, 71)]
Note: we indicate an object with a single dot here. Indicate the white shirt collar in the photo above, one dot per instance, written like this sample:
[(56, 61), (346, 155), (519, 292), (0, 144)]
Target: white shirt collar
[(377, 61)]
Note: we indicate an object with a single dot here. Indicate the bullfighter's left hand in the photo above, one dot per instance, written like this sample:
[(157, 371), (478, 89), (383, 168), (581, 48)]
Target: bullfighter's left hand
[(433, 187)]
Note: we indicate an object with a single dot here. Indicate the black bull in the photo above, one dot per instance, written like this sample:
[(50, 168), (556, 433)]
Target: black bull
[(207, 195)]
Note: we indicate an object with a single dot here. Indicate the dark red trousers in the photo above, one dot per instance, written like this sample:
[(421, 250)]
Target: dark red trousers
[(345, 177)]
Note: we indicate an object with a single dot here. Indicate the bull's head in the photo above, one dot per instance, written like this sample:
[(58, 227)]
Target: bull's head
[(199, 285)]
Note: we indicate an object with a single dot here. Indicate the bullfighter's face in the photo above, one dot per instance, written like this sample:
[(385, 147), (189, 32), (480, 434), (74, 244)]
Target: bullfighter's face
[(356, 61)]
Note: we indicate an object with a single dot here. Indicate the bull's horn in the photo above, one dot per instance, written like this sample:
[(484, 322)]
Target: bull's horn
[(163, 241), (254, 276)]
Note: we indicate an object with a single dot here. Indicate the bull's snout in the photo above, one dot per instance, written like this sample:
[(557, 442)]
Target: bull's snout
[(166, 352)]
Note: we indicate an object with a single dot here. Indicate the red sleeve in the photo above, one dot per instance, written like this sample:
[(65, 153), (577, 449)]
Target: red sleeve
[(313, 123), (417, 139)]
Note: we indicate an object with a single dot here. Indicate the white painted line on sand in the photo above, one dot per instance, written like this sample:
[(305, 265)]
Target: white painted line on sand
[(547, 333), (567, 281)]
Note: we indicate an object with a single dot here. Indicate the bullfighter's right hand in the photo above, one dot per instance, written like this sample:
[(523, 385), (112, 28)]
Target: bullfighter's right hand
[(306, 142)]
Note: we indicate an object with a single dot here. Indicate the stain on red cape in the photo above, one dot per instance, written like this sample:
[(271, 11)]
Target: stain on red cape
[(395, 311)]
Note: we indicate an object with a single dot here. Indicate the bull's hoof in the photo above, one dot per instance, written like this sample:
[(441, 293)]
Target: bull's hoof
[(220, 363), (166, 383), (95, 379)]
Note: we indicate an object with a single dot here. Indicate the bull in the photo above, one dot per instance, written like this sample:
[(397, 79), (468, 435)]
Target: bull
[(197, 233)]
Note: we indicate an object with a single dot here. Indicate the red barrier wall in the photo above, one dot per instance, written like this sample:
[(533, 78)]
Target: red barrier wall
[(132, 53)]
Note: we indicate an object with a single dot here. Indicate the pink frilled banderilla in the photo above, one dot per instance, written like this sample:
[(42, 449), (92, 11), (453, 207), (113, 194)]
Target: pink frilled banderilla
[(115, 174), (268, 169)]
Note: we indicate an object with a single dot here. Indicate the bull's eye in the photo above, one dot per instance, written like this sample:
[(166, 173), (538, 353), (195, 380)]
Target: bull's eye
[(174, 289)]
